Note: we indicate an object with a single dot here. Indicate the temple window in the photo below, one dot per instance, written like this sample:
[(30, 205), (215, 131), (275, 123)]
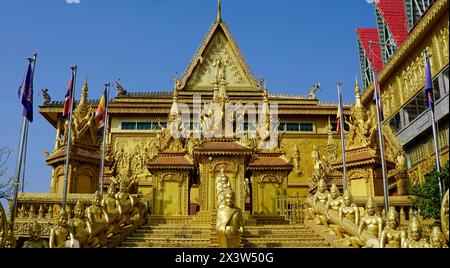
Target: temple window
[(296, 127), (142, 125)]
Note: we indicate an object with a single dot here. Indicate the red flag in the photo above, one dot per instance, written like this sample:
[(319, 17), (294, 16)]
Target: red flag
[(68, 99)]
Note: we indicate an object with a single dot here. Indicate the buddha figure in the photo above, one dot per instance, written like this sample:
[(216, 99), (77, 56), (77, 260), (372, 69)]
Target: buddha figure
[(415, 239), (35, 237), (321, 196), (371, 222), (349, 211), (437, 239), (112, 214), (392, 236), (59, 234), (96, 220), (229, 222), (334, 202)]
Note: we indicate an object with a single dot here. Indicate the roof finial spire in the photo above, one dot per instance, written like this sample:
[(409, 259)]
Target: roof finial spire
[(357, 92), (219, 11)]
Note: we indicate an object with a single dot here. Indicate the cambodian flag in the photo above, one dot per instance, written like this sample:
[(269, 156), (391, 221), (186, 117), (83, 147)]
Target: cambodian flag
[(429, 83), (68, 98), (377, 95), (100, 114), (26, 94)]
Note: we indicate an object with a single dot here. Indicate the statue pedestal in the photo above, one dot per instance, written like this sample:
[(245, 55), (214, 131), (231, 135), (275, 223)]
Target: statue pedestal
[(364, 172)]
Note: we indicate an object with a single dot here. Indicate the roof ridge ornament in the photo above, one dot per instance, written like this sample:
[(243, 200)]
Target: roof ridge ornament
[(219, 13)]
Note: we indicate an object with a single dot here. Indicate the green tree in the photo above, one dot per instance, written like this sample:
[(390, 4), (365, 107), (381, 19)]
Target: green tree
[(427, 196)]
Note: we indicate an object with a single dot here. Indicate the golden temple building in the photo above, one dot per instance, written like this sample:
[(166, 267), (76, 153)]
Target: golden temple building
[(176, 160)]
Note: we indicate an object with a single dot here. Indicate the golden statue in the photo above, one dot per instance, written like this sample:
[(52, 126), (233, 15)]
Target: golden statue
[(437, 239), (229, 223), (125, 202), (334, 202), (59, 234), (112, 214), (11, 241), (222, 186), (35, 237), (415, 239), (79, 230), (371, 223), (97, 220), (392, 236), (322, 196), (349, 211), (220, 70), (444, 215)]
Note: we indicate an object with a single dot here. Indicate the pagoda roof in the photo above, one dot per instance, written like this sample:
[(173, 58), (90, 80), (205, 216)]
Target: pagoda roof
[(170, 160), (76, 152), (269, 162), (222, 146)]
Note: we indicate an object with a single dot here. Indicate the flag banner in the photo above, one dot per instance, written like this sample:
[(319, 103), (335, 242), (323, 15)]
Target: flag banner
[(68, 98), (429, 83), (100, 114), (377, 95), (26, 94)]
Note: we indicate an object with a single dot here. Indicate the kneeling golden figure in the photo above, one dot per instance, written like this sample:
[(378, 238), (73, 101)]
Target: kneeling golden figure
[(229, 223), (35, 237)]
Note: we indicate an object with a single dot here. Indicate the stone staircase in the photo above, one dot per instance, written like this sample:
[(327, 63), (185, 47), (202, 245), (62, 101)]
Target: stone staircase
[(187, 235)]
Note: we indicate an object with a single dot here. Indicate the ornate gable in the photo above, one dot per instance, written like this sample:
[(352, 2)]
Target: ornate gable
[(203, 70)]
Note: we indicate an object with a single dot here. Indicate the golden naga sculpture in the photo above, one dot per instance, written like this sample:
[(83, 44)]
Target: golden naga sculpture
[(415, 239), (229, 223), (392, 236), (59, 234), (437, 239), (97, 220), (444, 215), (35, 237), (371, 223), (222, 186), (349, 211)]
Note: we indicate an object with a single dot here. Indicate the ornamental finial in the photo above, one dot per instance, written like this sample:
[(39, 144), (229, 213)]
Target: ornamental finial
[(219, 11)]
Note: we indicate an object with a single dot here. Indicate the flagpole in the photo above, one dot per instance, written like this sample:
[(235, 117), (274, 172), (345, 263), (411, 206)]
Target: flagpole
[(22, 148), (380, 137), (435, 131), (33, 59), (102, 166), (69, 136), (341, 123)]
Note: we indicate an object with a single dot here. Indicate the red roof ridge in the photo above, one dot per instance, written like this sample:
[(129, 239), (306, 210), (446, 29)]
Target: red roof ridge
[(371, 34), (393, 12)]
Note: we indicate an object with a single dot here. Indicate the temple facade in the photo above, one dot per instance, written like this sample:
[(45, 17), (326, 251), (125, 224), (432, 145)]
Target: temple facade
[(218, 119)]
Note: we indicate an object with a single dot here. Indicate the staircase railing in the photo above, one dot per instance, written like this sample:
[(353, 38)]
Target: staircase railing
[(291, 208)]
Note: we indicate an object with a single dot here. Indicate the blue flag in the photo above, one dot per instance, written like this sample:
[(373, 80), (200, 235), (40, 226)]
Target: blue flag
[(26, 94), (429, 83)]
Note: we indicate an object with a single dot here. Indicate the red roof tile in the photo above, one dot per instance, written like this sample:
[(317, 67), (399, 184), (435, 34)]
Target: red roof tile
[(393, 12), (371, 34)]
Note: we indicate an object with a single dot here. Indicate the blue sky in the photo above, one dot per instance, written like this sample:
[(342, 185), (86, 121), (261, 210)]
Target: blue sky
[(292, 43)]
